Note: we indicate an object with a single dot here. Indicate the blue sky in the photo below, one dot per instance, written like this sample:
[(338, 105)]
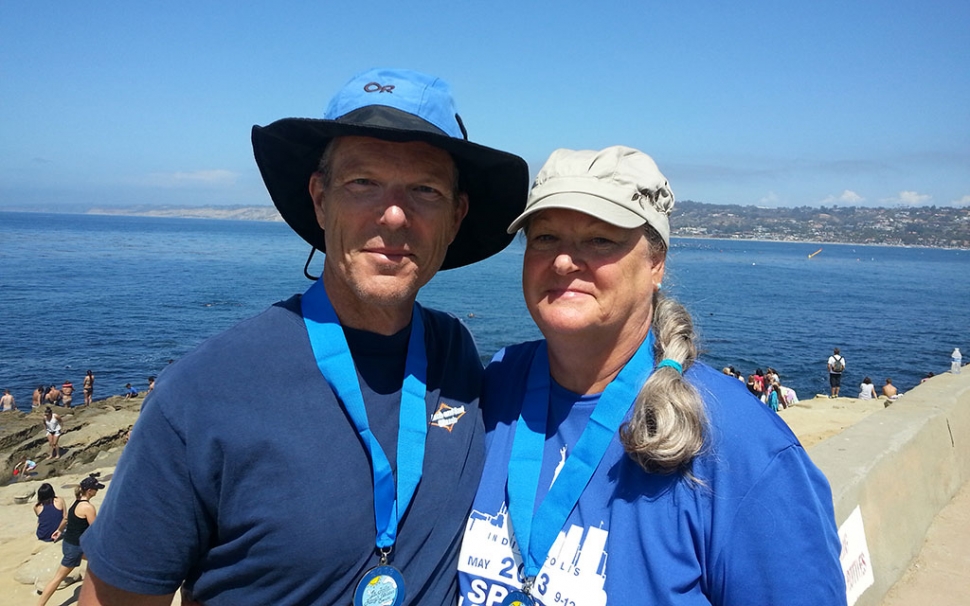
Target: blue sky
[(769, 103)]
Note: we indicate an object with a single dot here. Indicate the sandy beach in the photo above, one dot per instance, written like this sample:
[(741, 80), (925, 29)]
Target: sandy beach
[(93, 441)]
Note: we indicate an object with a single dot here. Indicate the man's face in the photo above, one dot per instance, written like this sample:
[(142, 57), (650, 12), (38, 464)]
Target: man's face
[(389, 213)]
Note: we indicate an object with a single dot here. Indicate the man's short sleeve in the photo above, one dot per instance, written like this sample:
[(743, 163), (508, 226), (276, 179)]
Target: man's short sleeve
[(150, 526)]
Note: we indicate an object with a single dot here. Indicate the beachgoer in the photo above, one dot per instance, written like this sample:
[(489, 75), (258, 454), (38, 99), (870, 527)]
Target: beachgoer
[(867, 391), (130, 392), (38, 398), (88, 387), (73, 526), (52, 424), (67, 390), (789, 395), (836, 366), (650, 485), (23, 468), (756, 384), (151, 385), (776, 400), (382, 185), (928, 376), (7, 402), (53, 396), (50, 511), (889, 390)]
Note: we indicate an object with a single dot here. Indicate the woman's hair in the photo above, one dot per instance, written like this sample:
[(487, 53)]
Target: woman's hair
[(45, 494), (867, 380), (668, 425)]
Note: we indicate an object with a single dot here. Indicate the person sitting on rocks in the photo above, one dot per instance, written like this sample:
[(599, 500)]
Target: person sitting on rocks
[(889, 390), (867, 391), (130, 392), (50, 511)]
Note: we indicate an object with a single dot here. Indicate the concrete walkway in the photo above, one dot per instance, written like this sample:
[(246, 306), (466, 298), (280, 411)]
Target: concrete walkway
[(941, 573)]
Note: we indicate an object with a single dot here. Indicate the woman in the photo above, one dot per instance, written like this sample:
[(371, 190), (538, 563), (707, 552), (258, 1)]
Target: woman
[(50, 511), (626, 479), (78, 519), (867, 391), (52, 424), (88, 387)]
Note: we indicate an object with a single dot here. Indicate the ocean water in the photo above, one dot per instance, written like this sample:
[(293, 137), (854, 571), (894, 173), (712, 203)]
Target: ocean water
[(123, 296)]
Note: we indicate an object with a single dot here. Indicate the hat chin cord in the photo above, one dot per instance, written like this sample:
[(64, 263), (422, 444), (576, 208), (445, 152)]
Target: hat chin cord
[(306, 266)]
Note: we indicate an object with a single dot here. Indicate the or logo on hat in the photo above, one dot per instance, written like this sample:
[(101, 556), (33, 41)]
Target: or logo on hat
[(446, 416), (375, 87)]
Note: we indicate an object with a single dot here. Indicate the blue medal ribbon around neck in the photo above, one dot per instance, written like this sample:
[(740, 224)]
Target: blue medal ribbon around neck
[(537, 533), (337, 366)]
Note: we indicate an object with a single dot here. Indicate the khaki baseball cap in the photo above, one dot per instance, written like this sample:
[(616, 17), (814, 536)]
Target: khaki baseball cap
[(619, 185)]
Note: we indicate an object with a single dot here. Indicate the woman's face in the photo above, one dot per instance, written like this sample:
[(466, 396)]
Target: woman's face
[(580, 274)]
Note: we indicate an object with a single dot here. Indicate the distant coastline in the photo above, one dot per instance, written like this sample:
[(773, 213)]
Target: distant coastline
[(232, 213), (921, 227)]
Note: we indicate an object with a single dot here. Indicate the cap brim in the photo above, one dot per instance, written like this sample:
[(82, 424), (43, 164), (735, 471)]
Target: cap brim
[(595, 206), (288, 151)]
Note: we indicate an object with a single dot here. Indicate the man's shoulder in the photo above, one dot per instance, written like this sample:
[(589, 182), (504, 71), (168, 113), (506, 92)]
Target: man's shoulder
[(276, 330)]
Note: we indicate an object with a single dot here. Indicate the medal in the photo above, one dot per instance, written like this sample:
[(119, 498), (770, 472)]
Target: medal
[(518, 598), (380, 586)]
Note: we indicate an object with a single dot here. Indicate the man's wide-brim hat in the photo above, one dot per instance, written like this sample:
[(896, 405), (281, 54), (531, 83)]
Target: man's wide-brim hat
[(395, 105)]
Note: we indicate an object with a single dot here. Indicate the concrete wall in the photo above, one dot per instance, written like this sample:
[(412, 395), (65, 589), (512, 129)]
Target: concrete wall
[(901, 466)]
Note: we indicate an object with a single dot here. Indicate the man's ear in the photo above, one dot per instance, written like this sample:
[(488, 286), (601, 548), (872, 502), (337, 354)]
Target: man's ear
[(317, 195)]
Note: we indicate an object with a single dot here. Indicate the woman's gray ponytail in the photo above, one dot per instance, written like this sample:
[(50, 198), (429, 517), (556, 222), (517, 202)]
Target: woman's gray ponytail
[(668, 425)]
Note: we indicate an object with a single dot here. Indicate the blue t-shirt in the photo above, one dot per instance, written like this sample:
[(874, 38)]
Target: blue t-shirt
[(245, 477), (758, 528)]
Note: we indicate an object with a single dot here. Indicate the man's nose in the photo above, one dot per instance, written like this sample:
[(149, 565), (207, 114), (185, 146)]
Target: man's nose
[(395, 207)]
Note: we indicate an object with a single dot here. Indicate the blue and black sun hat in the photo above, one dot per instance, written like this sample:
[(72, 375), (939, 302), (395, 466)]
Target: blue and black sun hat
[(395, 105)]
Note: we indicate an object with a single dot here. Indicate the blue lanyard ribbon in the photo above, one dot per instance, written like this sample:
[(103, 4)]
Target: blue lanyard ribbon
[(337, 366), (537, 533)]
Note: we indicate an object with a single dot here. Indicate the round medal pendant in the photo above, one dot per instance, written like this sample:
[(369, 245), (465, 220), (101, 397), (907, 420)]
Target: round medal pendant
[(518, 598), (380, 586)]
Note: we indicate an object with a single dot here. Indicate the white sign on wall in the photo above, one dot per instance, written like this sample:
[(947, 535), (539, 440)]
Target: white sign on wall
[(856, 563)]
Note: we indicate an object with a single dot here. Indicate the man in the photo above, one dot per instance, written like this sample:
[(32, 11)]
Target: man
[(836, 367), (53, 396), (889, 390), (360, 491), (67, 391), (7, 401)]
